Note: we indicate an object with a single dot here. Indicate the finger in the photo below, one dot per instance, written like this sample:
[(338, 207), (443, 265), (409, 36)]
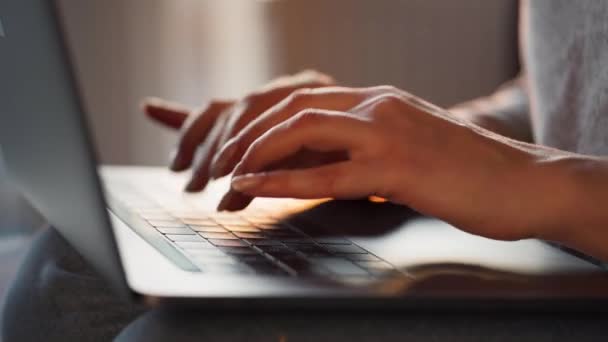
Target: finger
[(194, 132), (234, 200), (299, 79), (344, 180), (170, 114), (204, 153), (333, 98), (269, 95), (315, 130)]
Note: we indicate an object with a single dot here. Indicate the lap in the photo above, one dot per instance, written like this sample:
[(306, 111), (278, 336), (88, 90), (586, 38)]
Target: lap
[(56, 296), (185, 326)]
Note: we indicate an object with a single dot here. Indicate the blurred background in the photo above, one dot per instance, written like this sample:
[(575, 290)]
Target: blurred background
[(194, 50)]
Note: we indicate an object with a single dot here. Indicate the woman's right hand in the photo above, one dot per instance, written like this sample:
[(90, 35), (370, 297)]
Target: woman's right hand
[(204, 131)]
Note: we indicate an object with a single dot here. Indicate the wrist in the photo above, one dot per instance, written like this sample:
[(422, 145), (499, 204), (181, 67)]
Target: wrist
[(491, 121), (482, 119), (578, 186)]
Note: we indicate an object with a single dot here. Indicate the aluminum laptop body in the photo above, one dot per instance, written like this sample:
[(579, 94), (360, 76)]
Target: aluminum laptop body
[(153, 243)]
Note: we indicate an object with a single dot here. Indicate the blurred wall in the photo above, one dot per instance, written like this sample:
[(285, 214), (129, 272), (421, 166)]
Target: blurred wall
[(445, 51), (192, 50), (184, 50)]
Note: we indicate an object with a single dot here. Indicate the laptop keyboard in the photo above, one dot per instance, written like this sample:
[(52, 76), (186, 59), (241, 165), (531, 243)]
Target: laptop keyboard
[(248, 242)]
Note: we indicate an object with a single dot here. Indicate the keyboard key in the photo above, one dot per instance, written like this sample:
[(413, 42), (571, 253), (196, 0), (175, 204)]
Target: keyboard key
[(166, 224), (345, 249), (332, 241), (186, 215), (199, 222), (339, 266), (238, 250), (242, 229), (234, 221), (157, 216), (362, 257), (190, 238), (249, 235), (275, 249), (264, 242), (208, 229), (298, 240), (310, 250), (228, 243), (194, 245), (300, 265), (281, 234), (261, 220), (276, 252), (176, 231), (225, 236)]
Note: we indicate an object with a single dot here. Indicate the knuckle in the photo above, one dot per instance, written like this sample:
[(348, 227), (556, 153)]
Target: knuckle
[(252, 98), (315, 76), (308, 117), (385, 106), (390, 100), (299, 96), (386, 89), (301, 93), (216, 105)]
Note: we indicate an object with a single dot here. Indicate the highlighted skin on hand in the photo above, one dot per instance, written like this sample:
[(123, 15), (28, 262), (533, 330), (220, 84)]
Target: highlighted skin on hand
[(203, 131), (396, 146), (302, 137)]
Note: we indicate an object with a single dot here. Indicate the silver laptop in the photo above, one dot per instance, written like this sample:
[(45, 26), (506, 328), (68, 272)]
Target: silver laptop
[(153, 243)]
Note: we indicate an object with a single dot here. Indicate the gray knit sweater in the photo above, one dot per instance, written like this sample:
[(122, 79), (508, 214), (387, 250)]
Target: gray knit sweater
[(565, 55)]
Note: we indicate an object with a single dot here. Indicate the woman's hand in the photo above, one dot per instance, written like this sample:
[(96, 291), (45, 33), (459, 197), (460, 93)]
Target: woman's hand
[(397, 146), (205, 130), (299, 137)]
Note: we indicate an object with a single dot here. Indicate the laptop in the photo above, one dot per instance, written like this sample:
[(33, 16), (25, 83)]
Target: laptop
[(154, 244)]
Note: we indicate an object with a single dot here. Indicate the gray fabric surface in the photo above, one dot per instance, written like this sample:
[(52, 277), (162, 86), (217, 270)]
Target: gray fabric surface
[(565, 47), (57, 298), (157, 326)]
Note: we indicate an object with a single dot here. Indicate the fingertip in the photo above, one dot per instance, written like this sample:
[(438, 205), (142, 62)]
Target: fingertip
[(179, 163), (196, 185), (234, 201), (149, 104)]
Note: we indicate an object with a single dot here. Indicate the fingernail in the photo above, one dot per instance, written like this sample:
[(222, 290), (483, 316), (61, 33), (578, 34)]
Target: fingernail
[(246, 182), (220, 162), (224, 202)]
